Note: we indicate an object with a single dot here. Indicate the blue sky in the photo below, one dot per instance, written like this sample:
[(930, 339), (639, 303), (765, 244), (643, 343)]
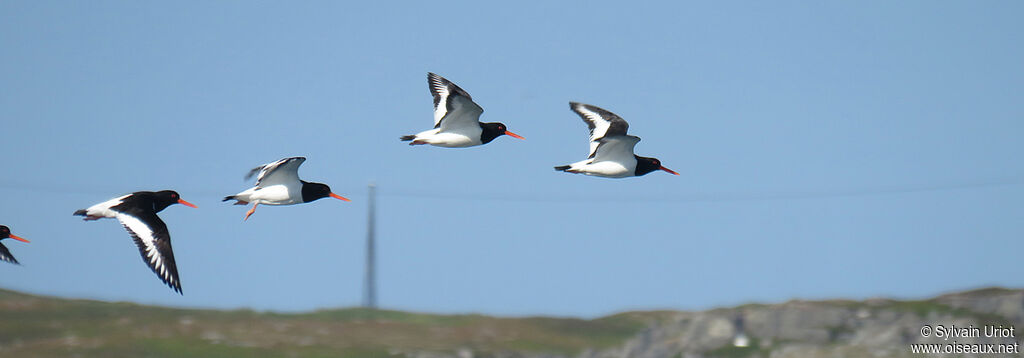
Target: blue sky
[(827, 150)]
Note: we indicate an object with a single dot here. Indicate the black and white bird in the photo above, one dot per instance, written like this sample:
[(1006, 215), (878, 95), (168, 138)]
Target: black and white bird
[(278, 183), (456, 119), (137, 213), (611, 149), (5, 255)]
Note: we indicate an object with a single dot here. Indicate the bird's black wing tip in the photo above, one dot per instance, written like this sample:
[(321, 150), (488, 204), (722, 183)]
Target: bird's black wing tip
[(252, 172), (5, 255), (407, 138), (562, 168), (80, 212), (171, 281)]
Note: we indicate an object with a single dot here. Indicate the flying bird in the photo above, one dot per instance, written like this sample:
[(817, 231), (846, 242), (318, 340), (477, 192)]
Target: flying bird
[(456, 119), (278, 183), (5, 255), (137, 213), (611, 149)]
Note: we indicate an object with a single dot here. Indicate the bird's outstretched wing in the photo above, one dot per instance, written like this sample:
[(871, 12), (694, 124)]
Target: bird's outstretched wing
[(154, 242), (282, 171), (453, 107), (5, 255), (601, 123)]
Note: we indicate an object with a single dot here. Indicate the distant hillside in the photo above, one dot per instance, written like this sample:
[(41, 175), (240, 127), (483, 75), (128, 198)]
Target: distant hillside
[(36, 326)]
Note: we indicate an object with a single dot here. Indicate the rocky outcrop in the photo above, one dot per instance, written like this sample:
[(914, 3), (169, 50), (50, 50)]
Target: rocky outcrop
[(805, 329), (871, 328)]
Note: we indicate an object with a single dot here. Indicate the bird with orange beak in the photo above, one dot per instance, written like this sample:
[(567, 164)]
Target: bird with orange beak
[(5, 255), (278, 183), (456, 119), (611, 149), (137, 213)]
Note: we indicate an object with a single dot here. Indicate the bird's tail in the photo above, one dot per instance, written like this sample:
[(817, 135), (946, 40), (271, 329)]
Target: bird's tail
[(407, 138), (80, 212), (233, 197), (563, 168)]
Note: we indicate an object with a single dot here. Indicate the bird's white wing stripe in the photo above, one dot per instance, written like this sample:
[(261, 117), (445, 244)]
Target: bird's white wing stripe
[(601, 124), (446, 92), (269, 167), (593, 148), (103, 209), (441, 107), (145, 235), (5, 255)]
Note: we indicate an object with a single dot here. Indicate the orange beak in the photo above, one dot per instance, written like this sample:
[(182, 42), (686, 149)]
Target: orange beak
[(513, 135), (185, 203), (668, 170), (17, 238), (339, 197)]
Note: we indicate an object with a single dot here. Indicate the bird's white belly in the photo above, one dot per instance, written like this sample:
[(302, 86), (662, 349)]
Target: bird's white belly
[(275, 195), (460, 137), (607, 169)]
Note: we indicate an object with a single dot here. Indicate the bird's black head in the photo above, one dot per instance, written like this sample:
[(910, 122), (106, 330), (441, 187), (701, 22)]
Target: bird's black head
[(314, 191), (164, 198), (494, 130), (646, 165), (6, 233)]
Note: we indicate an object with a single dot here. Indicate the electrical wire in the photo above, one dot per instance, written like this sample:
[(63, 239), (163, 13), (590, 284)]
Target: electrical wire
[(562, 197)]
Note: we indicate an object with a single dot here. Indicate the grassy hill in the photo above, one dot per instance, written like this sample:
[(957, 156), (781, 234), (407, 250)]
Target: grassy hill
[(36, 326)]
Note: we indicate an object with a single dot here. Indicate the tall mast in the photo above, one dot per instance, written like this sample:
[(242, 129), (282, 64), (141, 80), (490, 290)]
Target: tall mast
[(370, 282)]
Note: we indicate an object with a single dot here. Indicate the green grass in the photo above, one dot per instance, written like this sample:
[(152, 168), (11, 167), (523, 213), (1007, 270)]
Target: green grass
[(923, 308), (34, 326)]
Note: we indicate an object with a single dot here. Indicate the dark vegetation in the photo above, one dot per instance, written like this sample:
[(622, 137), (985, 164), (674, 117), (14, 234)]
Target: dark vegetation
[(36, 326)]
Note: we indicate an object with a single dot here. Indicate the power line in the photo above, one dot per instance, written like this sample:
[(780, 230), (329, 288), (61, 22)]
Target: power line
[(561, 197), (715, 197)]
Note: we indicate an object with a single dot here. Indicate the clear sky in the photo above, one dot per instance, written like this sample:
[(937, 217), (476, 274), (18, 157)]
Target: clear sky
[(827, 149)]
